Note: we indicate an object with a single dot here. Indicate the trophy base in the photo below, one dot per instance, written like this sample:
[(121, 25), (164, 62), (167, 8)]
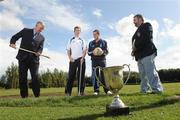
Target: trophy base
[(116, 111)]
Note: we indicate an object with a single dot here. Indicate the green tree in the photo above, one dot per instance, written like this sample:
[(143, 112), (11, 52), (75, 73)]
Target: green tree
[(12, 76)]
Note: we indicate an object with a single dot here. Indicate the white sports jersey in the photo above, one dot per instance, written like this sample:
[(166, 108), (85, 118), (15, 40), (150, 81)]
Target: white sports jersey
[(76, 46)]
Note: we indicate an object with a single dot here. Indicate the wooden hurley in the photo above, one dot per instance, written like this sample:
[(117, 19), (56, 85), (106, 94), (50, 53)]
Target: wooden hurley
[(33, 52)]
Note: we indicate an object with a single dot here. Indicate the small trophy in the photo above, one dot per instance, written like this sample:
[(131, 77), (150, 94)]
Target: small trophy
[(113, 79)]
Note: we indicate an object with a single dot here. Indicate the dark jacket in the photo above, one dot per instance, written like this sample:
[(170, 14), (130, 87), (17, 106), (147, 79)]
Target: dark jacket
[(144, 41), (102, 44), (28, 43)]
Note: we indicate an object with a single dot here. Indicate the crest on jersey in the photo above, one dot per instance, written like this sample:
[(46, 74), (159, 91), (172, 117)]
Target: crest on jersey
[(138, 34)]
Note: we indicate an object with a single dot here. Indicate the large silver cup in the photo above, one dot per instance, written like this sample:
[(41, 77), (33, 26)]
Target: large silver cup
[(113, 80)]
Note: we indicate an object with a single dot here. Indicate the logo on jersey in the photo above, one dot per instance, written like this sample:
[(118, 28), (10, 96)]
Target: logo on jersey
[(138, 34)]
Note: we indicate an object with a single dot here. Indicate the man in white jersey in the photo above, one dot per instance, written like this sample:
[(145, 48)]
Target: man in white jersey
[(76, 51)]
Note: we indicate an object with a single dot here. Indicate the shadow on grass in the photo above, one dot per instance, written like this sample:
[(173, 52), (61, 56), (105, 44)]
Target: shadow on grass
[(164, 102), (84, 117), (90, 117)]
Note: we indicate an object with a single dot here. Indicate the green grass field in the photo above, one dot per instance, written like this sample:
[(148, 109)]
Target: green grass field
[(52, 105)]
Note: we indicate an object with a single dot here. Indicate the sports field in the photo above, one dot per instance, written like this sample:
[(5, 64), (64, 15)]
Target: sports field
[(53, 105)]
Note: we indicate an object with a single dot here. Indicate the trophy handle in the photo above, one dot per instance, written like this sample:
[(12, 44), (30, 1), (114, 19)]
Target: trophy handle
[(95, 69), (128, 73)]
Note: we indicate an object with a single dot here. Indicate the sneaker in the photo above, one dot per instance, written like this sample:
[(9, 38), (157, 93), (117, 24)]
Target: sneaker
[(95, 93), (109, 93), (67, 94), (81, 94)]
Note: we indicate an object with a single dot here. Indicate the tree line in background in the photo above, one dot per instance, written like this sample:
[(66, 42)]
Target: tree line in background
[(58, 78)]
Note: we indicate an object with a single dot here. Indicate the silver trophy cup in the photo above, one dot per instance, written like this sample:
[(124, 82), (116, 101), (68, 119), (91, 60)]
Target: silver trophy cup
[(113, 80)]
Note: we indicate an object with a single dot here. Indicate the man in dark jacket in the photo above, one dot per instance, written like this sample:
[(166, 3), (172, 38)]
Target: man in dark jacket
[(32, 40), (144, 51), (98, 51)]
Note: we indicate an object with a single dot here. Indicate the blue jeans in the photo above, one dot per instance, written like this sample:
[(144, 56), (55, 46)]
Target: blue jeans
[(101, 63), (148, 75)]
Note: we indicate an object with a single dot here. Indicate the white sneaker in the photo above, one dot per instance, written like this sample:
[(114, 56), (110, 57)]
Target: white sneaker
[(109, 93), (95, 93)]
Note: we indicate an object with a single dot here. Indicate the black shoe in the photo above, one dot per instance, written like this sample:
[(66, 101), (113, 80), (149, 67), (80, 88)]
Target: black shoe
[(24, 97)]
